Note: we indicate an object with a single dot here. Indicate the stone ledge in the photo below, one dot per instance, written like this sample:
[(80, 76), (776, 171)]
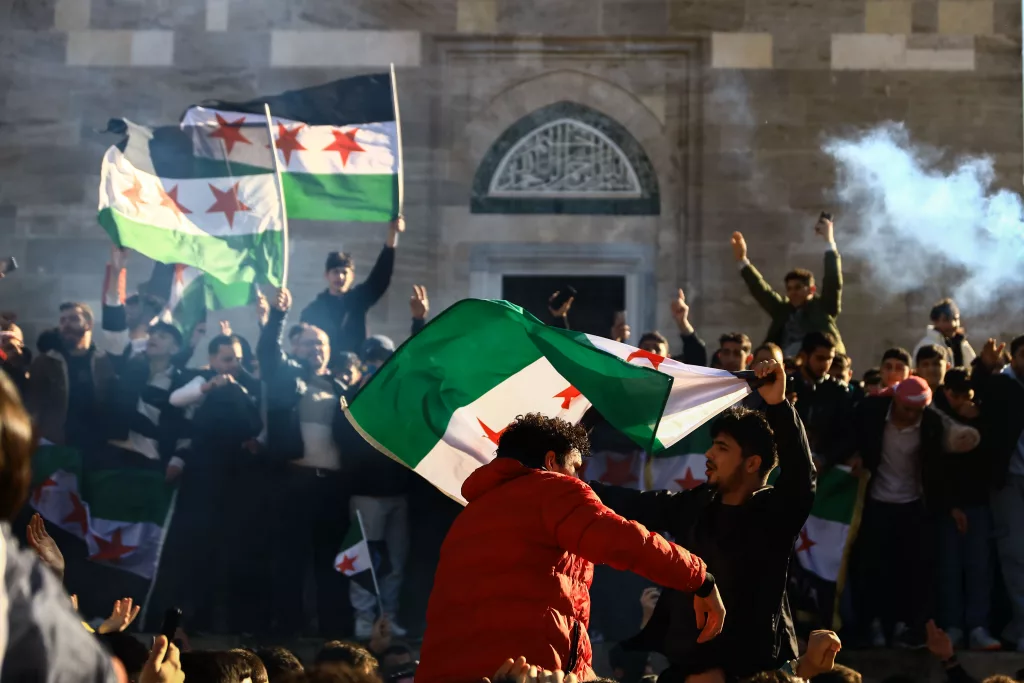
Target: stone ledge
[(885, 52), (344, 49), (120, 48)]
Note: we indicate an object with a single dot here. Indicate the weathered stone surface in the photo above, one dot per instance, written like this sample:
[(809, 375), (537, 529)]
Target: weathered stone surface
[(217, 49), (733, 147)]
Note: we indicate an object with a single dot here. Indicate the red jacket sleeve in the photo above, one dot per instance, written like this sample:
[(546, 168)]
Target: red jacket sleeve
[(581, 524)]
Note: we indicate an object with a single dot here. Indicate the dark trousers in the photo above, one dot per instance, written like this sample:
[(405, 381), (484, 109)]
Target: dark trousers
[(893, 578), (311, 525)]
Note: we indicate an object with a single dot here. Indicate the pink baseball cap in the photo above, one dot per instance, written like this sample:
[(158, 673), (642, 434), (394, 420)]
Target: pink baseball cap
[(913, 391)]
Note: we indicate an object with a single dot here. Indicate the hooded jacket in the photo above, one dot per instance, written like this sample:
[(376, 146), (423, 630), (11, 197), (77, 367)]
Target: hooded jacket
[(515, 573)]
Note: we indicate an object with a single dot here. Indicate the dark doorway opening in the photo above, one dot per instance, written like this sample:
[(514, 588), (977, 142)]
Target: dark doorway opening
[(598, 298)]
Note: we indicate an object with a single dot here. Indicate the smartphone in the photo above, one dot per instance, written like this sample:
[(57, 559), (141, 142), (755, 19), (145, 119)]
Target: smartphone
[(826, 215), (172, 620), (8, 265), (564, 294)]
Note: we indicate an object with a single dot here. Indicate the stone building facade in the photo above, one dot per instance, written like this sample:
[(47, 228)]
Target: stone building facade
[(695, 117)]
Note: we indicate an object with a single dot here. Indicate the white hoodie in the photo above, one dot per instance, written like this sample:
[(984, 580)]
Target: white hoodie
[(933, 336)]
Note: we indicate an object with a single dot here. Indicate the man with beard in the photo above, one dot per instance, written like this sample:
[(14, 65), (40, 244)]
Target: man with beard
[(743, 528), (304, 419), (67, 379)]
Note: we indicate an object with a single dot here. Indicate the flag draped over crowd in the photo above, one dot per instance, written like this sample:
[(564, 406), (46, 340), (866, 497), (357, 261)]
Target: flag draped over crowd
[(441, 402), (120, 514)]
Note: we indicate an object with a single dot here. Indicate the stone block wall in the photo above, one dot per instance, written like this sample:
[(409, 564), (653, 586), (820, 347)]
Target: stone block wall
[(730, 99)]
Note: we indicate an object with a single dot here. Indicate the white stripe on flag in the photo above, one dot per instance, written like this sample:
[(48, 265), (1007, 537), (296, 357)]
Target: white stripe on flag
[(370, 148), (252, 208), (820, 547)]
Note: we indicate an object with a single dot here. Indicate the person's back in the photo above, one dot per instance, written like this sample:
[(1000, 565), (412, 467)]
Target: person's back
[(516, 566)]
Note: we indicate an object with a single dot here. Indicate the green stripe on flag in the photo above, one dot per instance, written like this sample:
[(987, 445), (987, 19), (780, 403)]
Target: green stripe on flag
[(476, 345), (128, 495), (836, 496), (354, 535), (231, 259), (49, 459), (340, 196)]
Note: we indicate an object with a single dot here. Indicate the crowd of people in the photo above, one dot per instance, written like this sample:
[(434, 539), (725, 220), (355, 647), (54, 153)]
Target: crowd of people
[(269, 477)]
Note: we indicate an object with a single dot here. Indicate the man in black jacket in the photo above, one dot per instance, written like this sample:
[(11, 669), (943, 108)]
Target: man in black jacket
[(743, 528), (823, 404), (304, 418), (1001, 393), (213, 522), (340, 310)]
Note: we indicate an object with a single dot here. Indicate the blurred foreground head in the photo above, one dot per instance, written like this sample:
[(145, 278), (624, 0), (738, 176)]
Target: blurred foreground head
[(16, 446)]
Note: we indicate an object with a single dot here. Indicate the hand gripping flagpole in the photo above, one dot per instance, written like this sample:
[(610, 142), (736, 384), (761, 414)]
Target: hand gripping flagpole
[(280, 194), (373, 570)]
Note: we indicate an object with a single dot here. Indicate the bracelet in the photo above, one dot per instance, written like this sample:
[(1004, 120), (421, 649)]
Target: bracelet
[(790, 667)]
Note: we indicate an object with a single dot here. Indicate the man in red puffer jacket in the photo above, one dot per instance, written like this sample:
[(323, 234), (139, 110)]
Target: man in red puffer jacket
[(516, 566)]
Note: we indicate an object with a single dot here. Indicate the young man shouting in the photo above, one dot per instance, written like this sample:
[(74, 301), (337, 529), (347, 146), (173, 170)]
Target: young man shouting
[(743, 528)]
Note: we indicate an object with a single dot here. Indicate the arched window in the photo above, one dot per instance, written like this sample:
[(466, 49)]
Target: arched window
[(566, 159)]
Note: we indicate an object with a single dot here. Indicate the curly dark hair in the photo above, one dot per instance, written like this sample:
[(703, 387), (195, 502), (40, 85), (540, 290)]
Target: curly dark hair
[(529, 437)]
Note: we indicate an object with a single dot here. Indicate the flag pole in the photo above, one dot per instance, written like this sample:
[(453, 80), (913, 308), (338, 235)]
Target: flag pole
[(398, 141), (373, 570), (280, 194)]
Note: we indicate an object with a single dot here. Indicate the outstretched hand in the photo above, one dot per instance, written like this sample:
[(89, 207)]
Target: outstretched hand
[(121, 617), (281, 300), (774, 392), (826, 228), (710, 615), (419, 304), (939, 643), (681, 313), (118, 258), (739, 246), (44, 545), (992, 354)]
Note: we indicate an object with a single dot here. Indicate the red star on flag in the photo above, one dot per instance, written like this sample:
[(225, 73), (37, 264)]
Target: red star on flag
[(112, 550), (490, 433), (347, 564), (227, 202), (805, 542), (38, 493), (618, 472), (288, 142), (169, 198), (230, 132), (654, 358), (134, 193), (688, 481), (567, 395), (344, 144), (78, 514)]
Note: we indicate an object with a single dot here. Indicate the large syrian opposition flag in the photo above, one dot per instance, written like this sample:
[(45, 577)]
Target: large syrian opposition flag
[(158, 198), (120, 514), (337, 144), (824, 545), (440, 404)]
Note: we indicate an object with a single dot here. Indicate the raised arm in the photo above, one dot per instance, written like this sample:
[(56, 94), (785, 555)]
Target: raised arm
[(759, 288), (832, 284), (113, 337), (268, 348), (794, 489), (694, 350), (379, 279)]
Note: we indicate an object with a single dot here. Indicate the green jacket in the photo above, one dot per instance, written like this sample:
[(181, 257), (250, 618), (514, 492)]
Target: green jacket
[(820, 312)]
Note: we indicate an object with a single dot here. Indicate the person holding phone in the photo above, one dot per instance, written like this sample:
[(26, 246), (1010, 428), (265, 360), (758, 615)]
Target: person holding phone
[(803, 309)]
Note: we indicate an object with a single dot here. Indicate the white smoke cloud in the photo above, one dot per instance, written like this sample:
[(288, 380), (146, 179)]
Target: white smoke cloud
[(917, 225)]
